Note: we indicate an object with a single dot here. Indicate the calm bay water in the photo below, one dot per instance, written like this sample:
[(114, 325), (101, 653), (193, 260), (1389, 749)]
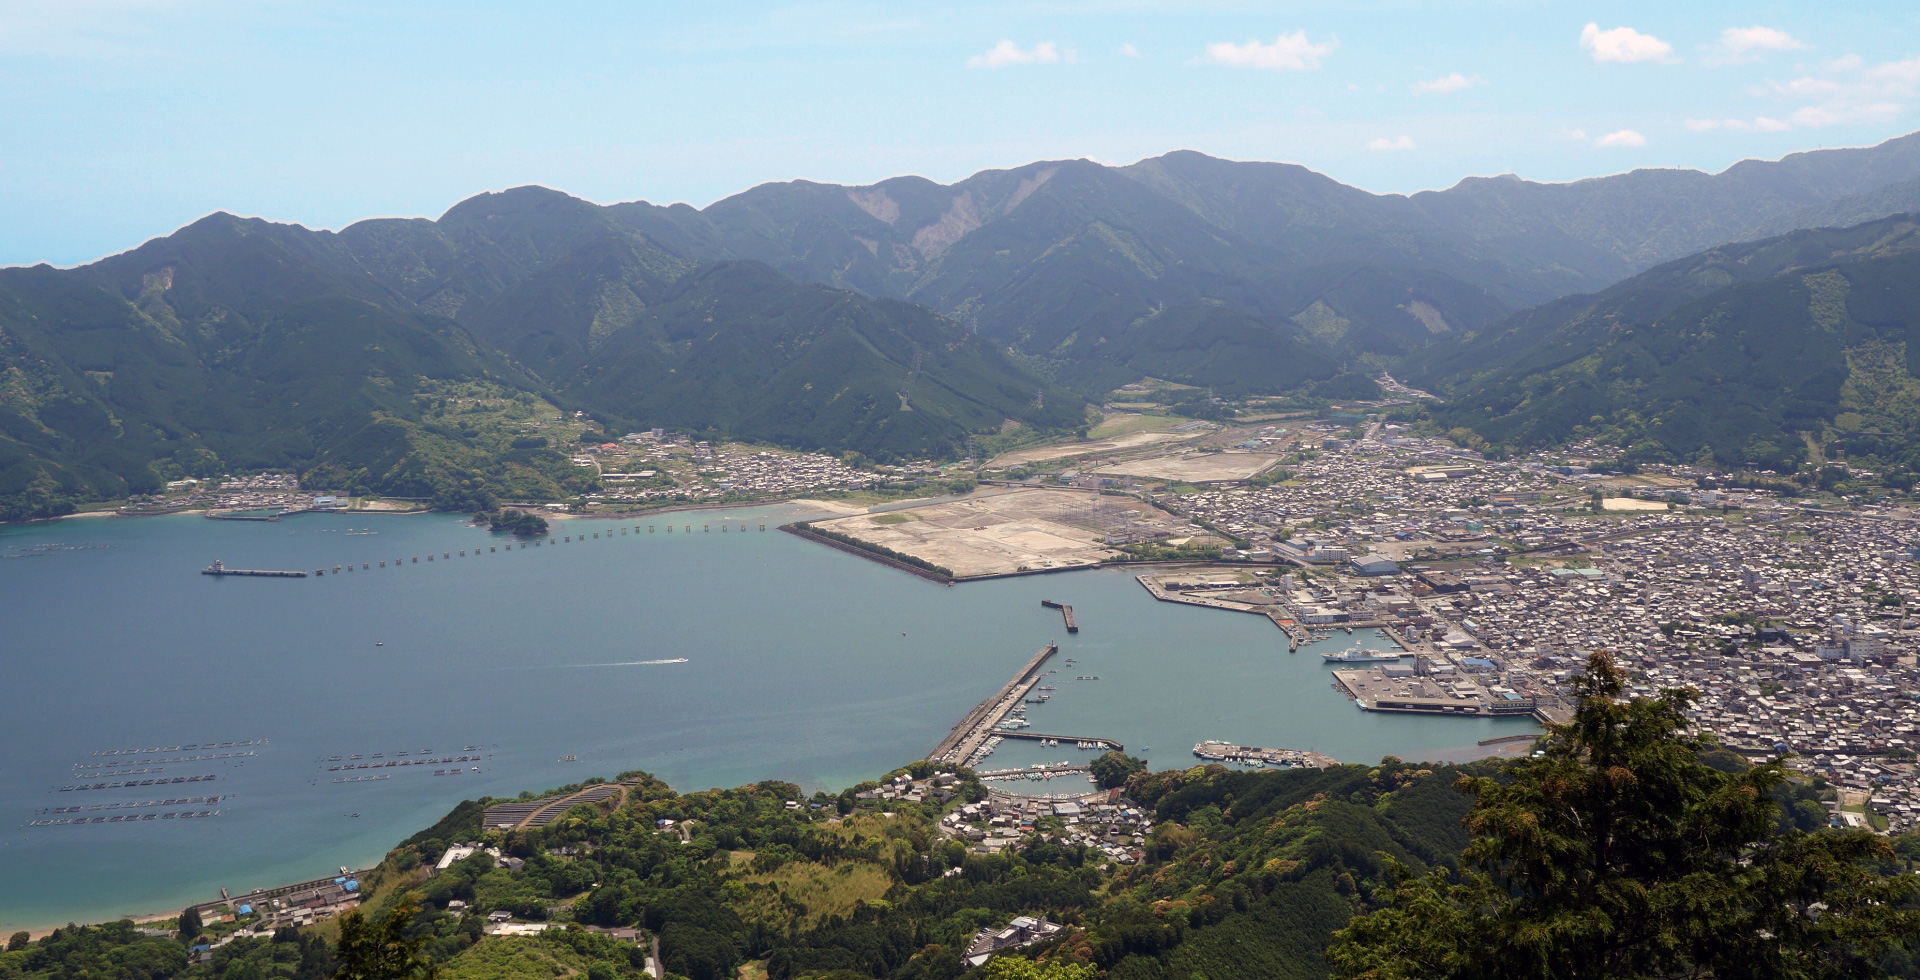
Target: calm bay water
[(804, 664)]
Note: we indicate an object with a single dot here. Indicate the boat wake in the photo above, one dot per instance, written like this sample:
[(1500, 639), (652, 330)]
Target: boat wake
[(617, 663), (632, 663)]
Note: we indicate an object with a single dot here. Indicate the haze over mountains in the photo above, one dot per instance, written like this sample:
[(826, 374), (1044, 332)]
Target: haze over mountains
[(906, 318)]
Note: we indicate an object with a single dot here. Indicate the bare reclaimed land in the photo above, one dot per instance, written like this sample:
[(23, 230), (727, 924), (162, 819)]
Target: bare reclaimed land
[(1130, 440), (1195, 467), (1003, 534)]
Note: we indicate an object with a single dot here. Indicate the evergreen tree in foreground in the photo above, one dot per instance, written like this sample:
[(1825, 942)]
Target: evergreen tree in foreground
[(380, 949), (1618, 853)]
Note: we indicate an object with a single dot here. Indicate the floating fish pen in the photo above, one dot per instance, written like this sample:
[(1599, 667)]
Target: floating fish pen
[(125, 818), (390, 763), (189, 747), (167, 761), (130, 783), (141, 805)]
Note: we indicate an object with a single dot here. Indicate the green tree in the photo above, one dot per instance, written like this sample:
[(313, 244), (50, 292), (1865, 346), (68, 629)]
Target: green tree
[(1113, 768), (1015, 968), (382, 950), (190, 925), (1619, 853), (18, 941)]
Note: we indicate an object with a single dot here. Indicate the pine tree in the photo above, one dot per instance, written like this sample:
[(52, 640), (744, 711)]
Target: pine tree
[(1618, 853)]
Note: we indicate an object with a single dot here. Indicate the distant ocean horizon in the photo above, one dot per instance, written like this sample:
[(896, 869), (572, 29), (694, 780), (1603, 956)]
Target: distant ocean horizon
[(710, 659)]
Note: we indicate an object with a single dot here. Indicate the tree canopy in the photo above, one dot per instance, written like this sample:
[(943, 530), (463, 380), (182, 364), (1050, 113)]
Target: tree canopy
[(1618, 852)]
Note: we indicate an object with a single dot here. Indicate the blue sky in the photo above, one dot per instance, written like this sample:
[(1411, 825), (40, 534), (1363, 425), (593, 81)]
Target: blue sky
[(124, 119)]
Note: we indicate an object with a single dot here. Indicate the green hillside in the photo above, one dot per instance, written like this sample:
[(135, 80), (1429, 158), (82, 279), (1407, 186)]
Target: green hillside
[(1744, 356), (233, 345), (803, 366)]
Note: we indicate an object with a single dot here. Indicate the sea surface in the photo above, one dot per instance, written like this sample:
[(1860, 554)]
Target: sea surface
[(802, 663)]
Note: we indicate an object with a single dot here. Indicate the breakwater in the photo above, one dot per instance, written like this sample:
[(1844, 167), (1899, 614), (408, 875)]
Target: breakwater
[(978, 724), (1066, 613), (799, 529)]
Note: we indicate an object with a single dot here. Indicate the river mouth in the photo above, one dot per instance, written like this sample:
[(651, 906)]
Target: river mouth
[(707, 657)]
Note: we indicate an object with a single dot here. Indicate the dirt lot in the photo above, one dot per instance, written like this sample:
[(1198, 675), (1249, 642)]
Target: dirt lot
[(1130, 440), (1000, 533), (1195, 468)]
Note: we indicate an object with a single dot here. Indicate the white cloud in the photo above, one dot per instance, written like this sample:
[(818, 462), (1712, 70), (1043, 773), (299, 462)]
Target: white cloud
[(1288, 52), (1383, 143), (1577, 134), (1447, 83), (1008, 53), (1821, 116), (1847, 90), (1129, 51), (1758, 124), (1742, 44), (1623, 45), (1621, 137)]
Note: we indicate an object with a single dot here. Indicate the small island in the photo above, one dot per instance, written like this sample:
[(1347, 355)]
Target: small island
[(518, 522)]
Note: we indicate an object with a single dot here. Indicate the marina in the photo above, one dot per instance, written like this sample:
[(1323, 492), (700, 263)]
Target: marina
[(967, 737)]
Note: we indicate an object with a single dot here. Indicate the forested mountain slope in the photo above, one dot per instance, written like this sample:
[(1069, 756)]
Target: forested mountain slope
[(1058, 257), (240, 344), (1749, 355), (243, 344)]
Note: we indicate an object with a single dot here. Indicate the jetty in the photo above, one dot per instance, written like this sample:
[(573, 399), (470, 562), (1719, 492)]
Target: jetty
[(978, 725), (1066, 613), (220, 568)]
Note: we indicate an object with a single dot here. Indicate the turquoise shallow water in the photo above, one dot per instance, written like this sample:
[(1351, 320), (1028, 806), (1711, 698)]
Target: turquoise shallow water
[(804, 664)]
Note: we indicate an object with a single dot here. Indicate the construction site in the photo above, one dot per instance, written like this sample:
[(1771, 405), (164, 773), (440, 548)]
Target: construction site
[(1013, 532)]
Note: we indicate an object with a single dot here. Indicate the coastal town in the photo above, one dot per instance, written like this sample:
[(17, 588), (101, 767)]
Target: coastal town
[(1795, 624)]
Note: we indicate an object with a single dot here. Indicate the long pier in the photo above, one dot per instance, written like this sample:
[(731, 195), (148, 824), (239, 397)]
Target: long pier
[(974, 729), (219, 568)]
